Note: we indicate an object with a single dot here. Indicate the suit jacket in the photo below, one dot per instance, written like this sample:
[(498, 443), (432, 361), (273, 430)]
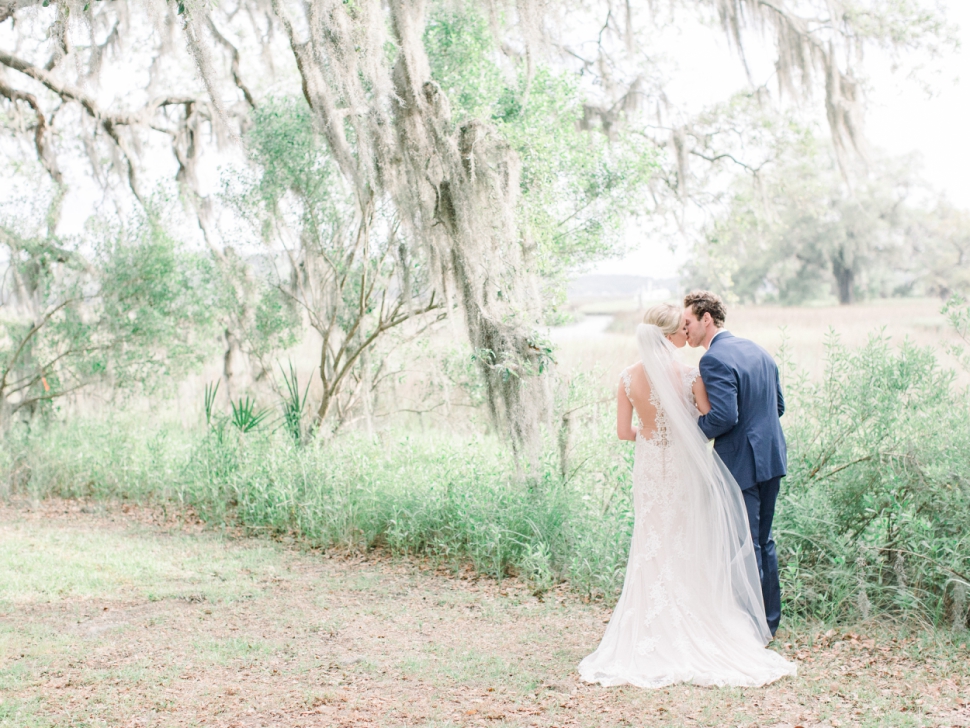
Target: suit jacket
[(746, 405)]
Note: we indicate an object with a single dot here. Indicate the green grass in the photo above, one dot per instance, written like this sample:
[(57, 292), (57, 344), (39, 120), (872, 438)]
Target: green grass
[(873, 519), (452, 499), (78, 592), (45, 567), (234, 648)]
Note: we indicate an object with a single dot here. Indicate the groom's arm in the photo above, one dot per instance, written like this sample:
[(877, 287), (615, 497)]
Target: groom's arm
[(722, 390)]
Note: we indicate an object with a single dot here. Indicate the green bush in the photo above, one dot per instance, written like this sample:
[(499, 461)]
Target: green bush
[(874, 517), (449, 498)]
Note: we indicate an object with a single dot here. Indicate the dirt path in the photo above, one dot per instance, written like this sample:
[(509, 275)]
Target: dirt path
[(120, 619)]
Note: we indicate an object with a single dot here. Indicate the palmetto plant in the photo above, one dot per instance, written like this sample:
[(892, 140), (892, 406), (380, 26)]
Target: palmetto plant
[(245, 416), (293, 403), (210, 399)]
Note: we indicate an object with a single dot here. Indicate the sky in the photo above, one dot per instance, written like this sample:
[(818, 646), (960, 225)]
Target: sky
[(901, 119)]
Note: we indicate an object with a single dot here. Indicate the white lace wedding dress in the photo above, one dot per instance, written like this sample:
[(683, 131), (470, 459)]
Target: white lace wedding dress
[(691, 607)]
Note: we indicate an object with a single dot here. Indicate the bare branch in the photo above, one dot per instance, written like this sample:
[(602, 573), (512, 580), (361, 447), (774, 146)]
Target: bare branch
[(234, 53), (44, 152), (725, 155), (109, 121)]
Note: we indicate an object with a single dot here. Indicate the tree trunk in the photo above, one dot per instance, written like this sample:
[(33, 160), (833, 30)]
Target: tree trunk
[(844, 279), (235, 366), (453, 188)]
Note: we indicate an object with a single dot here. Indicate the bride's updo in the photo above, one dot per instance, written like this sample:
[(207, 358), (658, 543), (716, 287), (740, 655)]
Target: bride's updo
[(667, 317)]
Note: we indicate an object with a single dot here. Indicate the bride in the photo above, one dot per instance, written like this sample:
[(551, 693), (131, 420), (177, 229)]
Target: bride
[(691, 609)]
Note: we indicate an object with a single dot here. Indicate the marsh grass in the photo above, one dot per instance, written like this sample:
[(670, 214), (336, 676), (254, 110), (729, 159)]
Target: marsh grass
[(803, 329)]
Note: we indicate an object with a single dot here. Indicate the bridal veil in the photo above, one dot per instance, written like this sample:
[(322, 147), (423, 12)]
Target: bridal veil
[(717, 535)]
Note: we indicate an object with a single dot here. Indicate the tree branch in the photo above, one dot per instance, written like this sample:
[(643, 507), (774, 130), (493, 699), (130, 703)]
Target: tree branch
[(725, 155), (108, 121), (234, 52), (30, 335), (44, 153)]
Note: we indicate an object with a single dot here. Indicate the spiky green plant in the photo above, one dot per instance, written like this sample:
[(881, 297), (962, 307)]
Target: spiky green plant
[(293, 403), (245, 416), (211, 389)]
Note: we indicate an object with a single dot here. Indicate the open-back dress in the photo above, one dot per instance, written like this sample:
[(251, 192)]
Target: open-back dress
[(687, 612)]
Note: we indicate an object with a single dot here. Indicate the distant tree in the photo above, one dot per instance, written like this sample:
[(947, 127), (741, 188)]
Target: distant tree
[(940, 240), (799, 231)]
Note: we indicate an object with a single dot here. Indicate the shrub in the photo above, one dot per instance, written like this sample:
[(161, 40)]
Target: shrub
[(875, 514)]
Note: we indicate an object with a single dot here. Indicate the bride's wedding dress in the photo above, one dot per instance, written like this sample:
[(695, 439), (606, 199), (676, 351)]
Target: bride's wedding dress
[(691, 609)]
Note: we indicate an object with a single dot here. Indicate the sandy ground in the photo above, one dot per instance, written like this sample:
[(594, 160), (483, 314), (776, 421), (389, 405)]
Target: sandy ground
[(130, 617)]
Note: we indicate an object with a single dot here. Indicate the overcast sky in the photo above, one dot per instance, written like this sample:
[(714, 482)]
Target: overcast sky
[(901, 118)]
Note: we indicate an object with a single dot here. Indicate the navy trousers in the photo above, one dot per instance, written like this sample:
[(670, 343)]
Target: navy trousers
[(759, 500)]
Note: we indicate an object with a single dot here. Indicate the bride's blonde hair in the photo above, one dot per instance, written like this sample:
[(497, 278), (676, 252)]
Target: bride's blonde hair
[(667, 317)]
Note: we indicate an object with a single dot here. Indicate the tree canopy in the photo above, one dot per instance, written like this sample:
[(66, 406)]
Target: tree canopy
[(494, 146)]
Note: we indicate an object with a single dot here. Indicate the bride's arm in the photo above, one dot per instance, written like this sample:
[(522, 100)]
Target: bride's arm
[(700, 396), (624, 416)]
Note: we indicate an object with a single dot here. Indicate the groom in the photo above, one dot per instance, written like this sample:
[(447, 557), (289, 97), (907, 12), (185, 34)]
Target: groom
[(746, 403)]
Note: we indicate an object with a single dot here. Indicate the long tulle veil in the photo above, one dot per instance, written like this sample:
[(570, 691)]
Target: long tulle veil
[(717, 535)]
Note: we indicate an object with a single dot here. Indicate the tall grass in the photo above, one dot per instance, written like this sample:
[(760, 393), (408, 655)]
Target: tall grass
[(874, 517), (431, 494)]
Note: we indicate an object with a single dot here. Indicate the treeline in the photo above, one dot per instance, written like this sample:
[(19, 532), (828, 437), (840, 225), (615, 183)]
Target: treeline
[(290, 254), (805, 230)]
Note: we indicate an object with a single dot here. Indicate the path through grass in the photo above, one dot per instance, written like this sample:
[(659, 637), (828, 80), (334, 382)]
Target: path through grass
[(123, 619)]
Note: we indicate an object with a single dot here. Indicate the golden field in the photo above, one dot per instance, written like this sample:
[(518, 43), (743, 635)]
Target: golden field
[(582, 348)]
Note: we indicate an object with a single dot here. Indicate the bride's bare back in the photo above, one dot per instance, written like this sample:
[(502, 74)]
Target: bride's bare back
[(646, 411)]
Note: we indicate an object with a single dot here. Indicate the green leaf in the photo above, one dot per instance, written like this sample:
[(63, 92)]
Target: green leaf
[(181, 9), (86, 6)]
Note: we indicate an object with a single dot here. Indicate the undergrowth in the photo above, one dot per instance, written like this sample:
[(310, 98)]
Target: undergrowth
[(874, 518), (434, 494)]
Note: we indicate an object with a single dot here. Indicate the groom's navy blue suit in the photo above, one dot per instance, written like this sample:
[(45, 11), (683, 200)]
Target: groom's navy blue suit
[(746, 403)]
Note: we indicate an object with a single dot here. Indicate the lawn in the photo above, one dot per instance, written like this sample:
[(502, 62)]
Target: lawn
[(121, 616)]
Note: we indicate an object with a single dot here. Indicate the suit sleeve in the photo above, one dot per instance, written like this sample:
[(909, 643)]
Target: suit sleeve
[(722, 390), (781, 395)]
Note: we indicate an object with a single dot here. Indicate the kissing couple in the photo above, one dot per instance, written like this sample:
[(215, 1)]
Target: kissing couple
[(701, 598)]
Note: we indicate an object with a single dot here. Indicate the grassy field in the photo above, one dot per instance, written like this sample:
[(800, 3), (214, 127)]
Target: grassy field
[(126, 617), (602, 353), (806, 328)]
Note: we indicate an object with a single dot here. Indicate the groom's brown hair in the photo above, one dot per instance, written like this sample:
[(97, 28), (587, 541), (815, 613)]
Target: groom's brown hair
[(701, 302)]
